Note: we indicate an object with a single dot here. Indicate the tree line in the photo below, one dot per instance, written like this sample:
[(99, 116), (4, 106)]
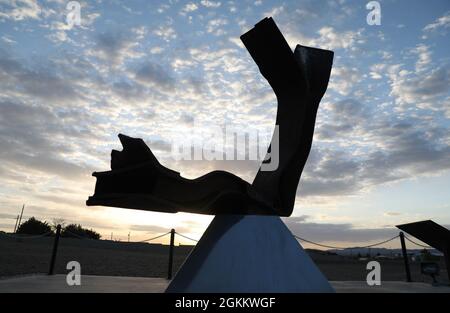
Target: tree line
[(34, 226)]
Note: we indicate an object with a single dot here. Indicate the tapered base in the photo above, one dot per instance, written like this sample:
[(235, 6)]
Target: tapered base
[(253, 254)]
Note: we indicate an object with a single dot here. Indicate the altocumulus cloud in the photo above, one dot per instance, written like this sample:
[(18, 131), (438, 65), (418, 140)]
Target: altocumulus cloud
[(385, 116)]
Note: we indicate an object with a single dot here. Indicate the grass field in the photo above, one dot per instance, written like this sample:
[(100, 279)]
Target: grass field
[(107, 258)]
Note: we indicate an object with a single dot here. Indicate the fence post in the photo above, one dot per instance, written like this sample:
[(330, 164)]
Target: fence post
[(55, 250), (405, 257), (447, 258), (172, 240)]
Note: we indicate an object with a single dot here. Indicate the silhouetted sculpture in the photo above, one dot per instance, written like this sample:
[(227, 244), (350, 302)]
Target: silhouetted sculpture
[(433, 234), (138, 181)]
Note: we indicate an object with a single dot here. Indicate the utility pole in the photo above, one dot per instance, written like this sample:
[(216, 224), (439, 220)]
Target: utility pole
[(20, 218), (111, 236), (128, 237), (15, 227)]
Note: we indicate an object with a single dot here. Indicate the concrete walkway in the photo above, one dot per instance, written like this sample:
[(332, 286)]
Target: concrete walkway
[(387, 287), (109, 284), (89, 284)]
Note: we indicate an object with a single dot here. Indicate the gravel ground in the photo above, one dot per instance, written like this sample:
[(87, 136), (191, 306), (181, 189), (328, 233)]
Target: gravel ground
[(106, 258)]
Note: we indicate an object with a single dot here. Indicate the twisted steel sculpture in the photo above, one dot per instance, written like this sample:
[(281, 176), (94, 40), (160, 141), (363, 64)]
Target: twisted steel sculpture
[(299, 79)]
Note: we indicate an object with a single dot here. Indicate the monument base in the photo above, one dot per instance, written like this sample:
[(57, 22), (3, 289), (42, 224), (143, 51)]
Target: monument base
[(248, 254)]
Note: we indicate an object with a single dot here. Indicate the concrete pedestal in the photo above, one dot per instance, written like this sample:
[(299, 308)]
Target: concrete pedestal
[(239, 254)]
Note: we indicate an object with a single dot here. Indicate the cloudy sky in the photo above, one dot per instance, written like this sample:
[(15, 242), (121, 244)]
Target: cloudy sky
[(150, 69)]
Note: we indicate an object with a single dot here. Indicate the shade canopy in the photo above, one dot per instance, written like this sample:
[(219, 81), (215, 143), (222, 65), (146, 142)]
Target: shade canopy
[(429, 232)]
